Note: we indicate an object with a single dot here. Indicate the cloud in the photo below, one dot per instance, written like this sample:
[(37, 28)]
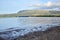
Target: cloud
[(40, 4), (47, 5), (57, 0), (35, 5)]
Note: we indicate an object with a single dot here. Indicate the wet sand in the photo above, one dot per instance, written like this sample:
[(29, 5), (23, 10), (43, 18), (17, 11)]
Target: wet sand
[(52, 33)]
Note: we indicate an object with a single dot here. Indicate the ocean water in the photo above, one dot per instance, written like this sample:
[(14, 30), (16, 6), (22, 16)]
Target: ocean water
[(25, 25)]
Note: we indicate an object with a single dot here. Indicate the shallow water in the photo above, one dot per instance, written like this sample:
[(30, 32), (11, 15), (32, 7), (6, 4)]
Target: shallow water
[(24, 22), (19, 26)]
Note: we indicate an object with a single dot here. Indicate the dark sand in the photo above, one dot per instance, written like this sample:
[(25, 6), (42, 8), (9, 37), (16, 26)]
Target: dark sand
[(50, 34)]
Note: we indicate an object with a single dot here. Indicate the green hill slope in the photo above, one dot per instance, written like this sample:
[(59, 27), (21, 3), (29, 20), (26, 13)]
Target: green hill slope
[(33, 13), (39, 13)]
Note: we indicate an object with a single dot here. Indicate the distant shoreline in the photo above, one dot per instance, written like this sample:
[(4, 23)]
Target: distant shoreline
[(33, 13), (3, 16)]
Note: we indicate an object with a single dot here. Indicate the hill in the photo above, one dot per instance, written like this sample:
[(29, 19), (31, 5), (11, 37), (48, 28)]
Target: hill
[(33, 13), (39, 13)]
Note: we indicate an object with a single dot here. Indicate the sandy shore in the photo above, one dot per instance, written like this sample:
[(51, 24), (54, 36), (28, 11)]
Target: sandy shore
[(50, 34)]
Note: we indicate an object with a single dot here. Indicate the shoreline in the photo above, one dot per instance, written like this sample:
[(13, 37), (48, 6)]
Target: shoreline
[(52, 33)]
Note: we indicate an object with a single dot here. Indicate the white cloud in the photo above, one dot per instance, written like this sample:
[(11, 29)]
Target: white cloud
[(57, 0), (40, 4), (49, 4), (57, 4), (35, 5)]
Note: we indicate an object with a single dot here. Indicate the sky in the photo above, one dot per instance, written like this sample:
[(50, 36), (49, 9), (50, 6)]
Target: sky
[(13, 6)]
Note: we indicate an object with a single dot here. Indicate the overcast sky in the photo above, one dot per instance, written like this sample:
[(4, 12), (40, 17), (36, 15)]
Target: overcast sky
[(12, 6)]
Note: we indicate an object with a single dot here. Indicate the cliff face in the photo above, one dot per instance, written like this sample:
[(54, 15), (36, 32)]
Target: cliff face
[(50, 34)]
